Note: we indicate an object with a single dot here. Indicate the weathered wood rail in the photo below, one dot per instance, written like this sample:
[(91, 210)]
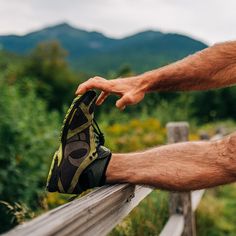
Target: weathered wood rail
[(94, 214), (98, 212)]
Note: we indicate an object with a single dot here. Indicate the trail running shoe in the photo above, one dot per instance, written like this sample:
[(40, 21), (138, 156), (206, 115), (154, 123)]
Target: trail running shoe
[(80, 162)]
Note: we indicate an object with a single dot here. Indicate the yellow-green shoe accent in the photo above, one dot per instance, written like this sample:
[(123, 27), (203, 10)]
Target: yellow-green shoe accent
[(81, 160)]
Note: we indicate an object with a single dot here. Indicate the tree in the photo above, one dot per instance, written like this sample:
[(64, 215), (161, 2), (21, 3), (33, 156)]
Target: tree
[(47, 66)]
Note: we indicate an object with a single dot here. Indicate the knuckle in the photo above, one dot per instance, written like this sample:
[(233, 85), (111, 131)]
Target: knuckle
[(84, 86), (112, 84), (90, 79), (98, 78), (81, 86)]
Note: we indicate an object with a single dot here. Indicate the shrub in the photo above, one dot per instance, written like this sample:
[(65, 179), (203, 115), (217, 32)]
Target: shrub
[(27, 140)]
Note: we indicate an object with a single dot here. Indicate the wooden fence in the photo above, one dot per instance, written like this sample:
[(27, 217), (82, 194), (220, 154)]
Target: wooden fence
[(101, 210)]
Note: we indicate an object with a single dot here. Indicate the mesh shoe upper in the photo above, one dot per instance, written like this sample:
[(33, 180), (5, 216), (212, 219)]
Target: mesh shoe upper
[(81, 160)]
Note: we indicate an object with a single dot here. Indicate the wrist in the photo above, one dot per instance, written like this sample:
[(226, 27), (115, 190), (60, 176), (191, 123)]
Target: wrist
[(140, 83), (150, 80)]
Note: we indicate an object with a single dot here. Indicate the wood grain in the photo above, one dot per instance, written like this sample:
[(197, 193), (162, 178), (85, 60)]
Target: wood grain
[(94, 214)]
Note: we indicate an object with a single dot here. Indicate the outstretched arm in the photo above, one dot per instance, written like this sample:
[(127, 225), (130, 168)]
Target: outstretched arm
[(214, 67), (210, 68), (179, 167)]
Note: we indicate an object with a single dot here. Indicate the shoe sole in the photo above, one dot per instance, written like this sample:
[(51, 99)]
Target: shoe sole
[(53, 182)]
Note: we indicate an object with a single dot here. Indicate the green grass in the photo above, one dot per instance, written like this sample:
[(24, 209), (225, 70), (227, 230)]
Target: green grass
[(216, 214), (146, 219)]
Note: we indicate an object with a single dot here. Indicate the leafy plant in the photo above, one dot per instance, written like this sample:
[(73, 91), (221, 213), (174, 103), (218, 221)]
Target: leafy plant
[(28, 136)]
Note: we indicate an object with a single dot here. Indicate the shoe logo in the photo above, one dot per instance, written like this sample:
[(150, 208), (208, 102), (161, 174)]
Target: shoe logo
[(80, 148)]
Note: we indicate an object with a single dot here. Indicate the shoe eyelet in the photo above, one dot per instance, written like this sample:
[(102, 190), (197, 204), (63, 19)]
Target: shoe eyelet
[(90, 157)]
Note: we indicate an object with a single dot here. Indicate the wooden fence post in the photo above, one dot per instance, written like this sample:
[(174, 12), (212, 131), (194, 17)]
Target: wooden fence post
[(180, 203)]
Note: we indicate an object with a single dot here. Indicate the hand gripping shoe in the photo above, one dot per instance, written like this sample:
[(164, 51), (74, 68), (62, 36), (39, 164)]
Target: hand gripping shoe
[(81, 161)]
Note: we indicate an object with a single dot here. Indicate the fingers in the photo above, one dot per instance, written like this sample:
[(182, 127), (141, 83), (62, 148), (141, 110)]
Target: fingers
[(120, 104), (93, 83), (124, 101), (129, 95), (102, 97)]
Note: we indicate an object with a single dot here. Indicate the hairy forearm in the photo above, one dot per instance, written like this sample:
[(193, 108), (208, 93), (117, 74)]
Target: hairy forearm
[(180, 167), (210, 68)]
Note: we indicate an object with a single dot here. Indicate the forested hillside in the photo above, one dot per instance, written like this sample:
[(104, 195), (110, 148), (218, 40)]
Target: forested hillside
[(93, 52)]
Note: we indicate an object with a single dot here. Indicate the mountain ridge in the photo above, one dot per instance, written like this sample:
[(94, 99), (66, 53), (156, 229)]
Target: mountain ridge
[(94, 52)]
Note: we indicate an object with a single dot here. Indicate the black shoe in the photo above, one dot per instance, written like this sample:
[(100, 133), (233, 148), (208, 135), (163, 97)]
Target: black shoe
[(81, 161)]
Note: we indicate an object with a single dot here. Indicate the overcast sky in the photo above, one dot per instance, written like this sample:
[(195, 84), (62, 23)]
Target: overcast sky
[(208, 20)]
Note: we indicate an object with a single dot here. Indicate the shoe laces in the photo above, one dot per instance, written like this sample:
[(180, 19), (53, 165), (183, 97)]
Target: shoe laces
[(99, 136)]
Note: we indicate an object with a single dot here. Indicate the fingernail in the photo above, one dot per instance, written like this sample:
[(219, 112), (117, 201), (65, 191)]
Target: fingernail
[(78, 91)]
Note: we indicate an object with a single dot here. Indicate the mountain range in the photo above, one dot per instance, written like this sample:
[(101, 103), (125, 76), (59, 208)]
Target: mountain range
[(93, 52)]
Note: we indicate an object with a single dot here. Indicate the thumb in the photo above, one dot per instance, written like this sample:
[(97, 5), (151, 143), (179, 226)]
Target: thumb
[(123, 102)]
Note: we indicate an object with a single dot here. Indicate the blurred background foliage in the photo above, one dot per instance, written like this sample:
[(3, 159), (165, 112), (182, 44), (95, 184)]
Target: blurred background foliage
[(36, 88)]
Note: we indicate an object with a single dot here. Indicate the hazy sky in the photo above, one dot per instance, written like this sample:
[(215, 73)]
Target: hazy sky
[(208, 20)]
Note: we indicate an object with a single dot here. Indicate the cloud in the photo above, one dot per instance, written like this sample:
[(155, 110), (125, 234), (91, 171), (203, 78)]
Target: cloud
[(209, 20)]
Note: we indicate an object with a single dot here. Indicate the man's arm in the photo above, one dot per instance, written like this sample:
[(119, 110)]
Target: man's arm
[(180, 167), (210, 68), (214, 67)]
